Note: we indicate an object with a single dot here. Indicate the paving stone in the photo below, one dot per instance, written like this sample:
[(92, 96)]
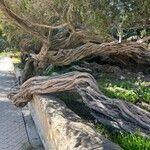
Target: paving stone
[(13, 133)]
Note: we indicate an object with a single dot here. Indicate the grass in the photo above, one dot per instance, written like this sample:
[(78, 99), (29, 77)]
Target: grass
[(126, 141), (133, 90), (132, 142), (129, 89)]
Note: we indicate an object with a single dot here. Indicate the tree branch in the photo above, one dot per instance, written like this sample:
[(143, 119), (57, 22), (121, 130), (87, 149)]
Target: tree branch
[(24, 24), (145, 39), (50, 27), (113, 113), (124, 51)]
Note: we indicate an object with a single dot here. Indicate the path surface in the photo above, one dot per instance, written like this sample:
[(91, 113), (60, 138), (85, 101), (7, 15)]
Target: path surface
[(17, 131)]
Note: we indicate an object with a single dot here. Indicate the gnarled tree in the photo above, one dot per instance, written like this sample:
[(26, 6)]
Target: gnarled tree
[(68, 35), (114, 113)]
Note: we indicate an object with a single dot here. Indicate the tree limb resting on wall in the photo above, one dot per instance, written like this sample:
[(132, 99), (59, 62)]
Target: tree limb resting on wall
[(114, 113)]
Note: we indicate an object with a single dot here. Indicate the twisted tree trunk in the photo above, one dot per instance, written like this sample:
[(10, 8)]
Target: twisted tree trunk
[(69, 44), (111, 112), (124, 52)]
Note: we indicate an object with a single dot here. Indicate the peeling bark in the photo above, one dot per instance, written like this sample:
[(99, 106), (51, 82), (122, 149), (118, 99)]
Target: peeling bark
[(115, 113), (123, 52), (73, 45)]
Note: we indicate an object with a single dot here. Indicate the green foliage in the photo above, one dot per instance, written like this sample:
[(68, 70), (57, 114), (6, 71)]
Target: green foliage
[(132, 90), (106, 18), (129, 89), (54, 71), (61, 69), (126, 141), (105, 15), (131, 142)]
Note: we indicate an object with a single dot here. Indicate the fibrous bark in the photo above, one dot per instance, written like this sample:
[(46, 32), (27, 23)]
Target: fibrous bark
[(111, 112), (123, 51), (28, 71), (70, 44)]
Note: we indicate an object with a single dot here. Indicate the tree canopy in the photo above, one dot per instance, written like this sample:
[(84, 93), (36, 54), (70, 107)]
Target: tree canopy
[(68, 29), (105, 18)]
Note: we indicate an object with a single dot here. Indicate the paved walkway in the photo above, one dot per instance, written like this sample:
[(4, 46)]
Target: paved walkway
[(17, 131)]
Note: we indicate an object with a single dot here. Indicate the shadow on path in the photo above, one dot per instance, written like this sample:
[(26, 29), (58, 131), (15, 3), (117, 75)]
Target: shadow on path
[(17, 130)]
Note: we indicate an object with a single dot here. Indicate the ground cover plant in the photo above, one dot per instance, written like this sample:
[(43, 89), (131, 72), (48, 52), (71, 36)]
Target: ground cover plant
[(68, 50), (133, 89)]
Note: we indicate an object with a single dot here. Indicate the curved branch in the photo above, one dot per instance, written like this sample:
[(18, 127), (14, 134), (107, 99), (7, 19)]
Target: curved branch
[(134, 51), (114, 113), (145, 39), (24, 24), (50, 27)]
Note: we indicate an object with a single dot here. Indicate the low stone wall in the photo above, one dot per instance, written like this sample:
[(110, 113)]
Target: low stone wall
[(62, 129)]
